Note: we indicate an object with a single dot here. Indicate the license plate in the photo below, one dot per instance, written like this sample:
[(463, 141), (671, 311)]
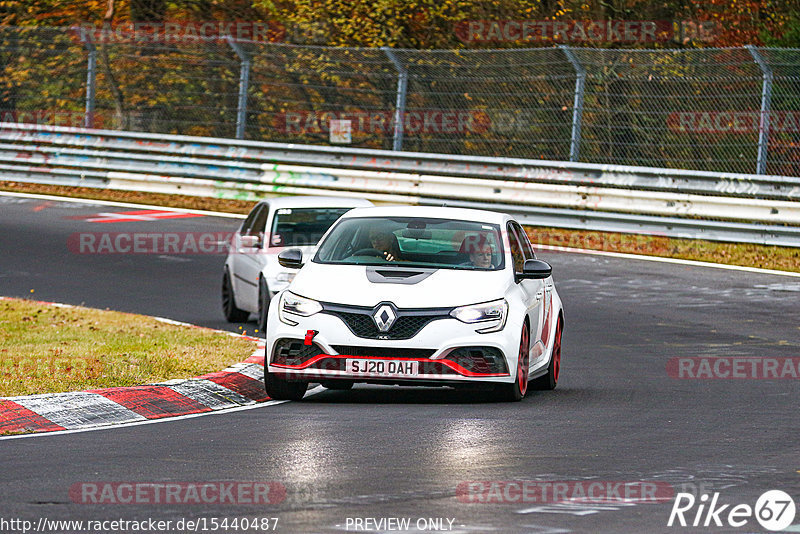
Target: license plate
[(393, 368)]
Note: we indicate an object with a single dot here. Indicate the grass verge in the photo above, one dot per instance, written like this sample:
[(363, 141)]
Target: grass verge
[(49, 349), (747, 255)]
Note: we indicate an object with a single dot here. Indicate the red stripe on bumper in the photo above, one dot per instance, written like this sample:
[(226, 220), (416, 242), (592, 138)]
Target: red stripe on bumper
[(16, 418), (152, 402)]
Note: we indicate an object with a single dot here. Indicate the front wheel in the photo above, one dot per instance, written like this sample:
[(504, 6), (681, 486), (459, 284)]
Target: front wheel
[(229, 309), (517, 390), (280, 389), (550, 380)]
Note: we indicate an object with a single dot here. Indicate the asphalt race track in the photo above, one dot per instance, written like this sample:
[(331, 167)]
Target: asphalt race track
[(374, 452)]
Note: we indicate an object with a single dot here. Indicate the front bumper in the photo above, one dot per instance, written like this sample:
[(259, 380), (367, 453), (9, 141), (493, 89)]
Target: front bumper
[(444, 351)]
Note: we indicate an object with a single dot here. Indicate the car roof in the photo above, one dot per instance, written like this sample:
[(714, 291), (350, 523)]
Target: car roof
[(433, 212), (316, 202)]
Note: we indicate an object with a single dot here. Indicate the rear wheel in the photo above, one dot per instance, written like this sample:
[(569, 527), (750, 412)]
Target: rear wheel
[(232, 313), (550, 380), (517, 390), (280, 389), (263, 306)]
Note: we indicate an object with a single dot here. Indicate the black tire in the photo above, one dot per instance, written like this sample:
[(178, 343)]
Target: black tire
[(263, 306), (550, 380), (229, 309), (338, 385), (280, 389), (516, 391)]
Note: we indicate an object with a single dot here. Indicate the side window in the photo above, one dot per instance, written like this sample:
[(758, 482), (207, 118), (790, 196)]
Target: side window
[(259, 226), (258, 223), (527, 249), (516, 249), (248, 222)]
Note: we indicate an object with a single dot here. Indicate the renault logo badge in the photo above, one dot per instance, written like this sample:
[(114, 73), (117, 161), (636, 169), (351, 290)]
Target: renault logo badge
[(384, 317)]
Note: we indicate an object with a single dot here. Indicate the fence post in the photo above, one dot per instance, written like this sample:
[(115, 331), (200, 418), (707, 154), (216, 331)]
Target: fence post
[(577, 103), (91, 80), (244, 82), (766, 104), (400, 105)]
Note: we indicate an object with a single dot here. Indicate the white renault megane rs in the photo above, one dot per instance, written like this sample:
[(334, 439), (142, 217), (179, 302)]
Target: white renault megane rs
[(416, 296)]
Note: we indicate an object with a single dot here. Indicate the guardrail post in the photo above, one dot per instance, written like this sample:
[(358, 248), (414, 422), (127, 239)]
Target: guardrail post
[(577, 103), (91, 80), (766, 104), (244, 82), (400, 105)]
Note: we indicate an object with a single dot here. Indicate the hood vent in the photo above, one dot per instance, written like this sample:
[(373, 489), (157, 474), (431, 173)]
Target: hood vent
[(381, 275)]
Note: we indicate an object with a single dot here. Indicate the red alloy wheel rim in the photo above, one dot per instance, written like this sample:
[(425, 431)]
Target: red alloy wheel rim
[(522, 365), (557, 354)]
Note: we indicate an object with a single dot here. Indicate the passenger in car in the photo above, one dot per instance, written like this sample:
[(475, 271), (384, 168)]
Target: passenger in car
[(479, 250)]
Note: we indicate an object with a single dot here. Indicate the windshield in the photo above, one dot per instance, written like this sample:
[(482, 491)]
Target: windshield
[(412, 241), (297, 227)]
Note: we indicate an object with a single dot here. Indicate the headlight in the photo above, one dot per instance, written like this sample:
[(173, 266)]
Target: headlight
[(291, 304), (493, 313)]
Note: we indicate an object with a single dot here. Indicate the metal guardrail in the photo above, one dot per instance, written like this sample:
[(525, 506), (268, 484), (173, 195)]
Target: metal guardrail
[(734, 109), (571, 195)]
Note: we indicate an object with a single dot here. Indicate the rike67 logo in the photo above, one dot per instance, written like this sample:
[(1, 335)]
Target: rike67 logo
[(774, 510)]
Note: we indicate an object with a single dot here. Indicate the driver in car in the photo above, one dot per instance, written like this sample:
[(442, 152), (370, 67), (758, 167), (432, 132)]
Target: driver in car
[(385, 242)]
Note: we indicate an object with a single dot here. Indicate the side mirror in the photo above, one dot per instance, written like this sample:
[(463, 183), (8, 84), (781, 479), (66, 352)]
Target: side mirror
[(291, 258), (250, 241), (535, 270)]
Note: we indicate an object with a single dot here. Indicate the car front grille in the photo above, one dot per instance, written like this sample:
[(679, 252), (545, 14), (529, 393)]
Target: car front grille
[(362, 325), (382, 352), (407, 324)]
